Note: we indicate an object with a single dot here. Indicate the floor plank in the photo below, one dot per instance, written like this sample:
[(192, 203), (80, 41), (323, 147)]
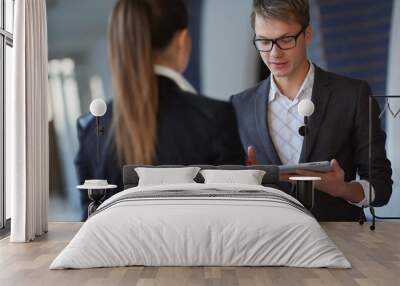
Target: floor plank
[(374, 255)]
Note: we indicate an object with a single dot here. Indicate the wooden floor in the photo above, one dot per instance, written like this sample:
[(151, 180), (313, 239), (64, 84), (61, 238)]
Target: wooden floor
[(375, 256)]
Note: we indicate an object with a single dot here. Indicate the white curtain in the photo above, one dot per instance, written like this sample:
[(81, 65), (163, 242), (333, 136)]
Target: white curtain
[(27, 127)]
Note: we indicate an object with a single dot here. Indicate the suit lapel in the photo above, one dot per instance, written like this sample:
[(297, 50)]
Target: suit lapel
[(261, 107), (320, 97)]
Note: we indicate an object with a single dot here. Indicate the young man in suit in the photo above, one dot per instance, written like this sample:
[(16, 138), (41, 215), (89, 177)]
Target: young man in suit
[(338, 130)]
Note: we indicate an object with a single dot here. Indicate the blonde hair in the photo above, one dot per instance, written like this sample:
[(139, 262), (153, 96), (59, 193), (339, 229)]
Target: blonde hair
[(284, 10)]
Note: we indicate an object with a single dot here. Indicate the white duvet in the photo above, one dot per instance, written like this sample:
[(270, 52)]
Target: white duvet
[(200, 231)]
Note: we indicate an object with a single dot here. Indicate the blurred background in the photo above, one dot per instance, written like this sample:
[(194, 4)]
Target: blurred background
[(357, 38)]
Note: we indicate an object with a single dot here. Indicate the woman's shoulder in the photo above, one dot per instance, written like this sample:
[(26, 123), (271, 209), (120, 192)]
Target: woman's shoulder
[(174, 98), (207, 105)]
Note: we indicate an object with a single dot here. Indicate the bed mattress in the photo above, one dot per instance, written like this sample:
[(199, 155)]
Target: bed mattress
[(201, 225)]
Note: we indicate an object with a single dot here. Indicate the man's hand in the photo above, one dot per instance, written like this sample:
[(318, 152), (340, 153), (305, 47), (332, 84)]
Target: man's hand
[(332, 182), (251, 156)]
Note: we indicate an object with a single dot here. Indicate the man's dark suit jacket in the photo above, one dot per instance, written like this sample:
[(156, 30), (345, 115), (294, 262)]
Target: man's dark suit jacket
[(192, 129), (338, 129)]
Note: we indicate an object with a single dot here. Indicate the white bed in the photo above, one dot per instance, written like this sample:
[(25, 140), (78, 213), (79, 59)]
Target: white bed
[(185, 230)]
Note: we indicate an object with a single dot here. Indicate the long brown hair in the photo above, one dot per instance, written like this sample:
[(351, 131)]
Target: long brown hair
[(137, 28)]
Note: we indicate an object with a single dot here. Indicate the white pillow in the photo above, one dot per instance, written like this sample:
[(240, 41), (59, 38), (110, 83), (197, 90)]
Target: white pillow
[(248, 177), (163, 176)]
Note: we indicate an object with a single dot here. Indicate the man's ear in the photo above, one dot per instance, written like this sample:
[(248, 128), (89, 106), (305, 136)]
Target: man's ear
[(308, 34)]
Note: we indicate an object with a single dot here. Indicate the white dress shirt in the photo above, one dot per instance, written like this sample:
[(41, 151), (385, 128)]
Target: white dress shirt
[(175, 76), (284, 122)]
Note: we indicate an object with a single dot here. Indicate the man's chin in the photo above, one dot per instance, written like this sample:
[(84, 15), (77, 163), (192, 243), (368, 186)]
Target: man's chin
[(280, 74)]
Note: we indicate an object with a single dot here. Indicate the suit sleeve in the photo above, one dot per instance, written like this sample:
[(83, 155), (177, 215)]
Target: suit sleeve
[(83, 165), (380, 177), (82, 162), (235, 105)]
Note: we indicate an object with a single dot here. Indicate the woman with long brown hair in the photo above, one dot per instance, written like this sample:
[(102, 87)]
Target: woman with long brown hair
[(156, 116)]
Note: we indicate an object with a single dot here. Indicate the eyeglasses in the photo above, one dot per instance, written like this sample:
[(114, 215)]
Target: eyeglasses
[(284, 43)]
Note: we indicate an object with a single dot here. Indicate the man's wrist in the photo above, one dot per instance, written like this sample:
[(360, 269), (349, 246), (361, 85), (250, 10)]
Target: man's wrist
[(342, 190), (352, 192)]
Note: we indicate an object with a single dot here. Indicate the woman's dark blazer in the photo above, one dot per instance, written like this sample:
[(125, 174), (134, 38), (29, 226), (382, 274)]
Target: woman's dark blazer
[(192, 129)]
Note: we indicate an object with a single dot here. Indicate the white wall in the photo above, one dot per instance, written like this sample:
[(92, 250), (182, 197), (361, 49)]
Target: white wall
[(229, 60), (393, 125)]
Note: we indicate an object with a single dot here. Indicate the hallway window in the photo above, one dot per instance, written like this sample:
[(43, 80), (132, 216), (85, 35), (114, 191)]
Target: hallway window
[(6, 60)]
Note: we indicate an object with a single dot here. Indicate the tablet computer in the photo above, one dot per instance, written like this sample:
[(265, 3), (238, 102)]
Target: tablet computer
[(324, 166)]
